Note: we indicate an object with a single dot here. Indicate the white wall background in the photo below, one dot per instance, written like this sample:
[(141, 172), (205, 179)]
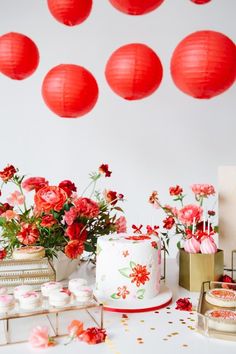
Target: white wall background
[(165, 139)]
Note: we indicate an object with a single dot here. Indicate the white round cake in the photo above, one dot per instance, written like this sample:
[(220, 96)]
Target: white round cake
[(128, 267)]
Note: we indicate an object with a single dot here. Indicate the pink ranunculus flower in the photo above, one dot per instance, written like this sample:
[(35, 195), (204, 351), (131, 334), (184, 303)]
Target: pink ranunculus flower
[(86, 207), (39, 338), (203, 190), (16, 198), (189, 213), (70, 216), (121, 225), (34, 183)]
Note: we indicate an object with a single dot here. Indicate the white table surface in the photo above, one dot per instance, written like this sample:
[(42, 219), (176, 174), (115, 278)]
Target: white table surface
[(155, 329)]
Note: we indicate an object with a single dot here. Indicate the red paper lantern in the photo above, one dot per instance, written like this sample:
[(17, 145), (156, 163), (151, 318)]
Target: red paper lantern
[(134, 71), (200, 2), (70, 90), (136, 7), (70, 12), (203, 65), (19, 56)]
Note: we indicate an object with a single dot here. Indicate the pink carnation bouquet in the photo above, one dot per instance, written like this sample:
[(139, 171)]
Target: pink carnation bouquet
[(194, 222), (61, 218)]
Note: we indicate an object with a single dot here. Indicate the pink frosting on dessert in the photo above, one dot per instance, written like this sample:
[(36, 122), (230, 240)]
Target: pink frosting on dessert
[(6, 299), (208, 246), (30, 294), (223, 314), (192, 245)]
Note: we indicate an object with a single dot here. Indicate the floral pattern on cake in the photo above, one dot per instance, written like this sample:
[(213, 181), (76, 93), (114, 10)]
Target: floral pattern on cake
[(154, 245), (125, 253), (136, 272), (122, 292)]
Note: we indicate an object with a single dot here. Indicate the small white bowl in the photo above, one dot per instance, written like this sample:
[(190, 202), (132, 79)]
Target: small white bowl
[(59, 298), (83, 293), (46, 288)]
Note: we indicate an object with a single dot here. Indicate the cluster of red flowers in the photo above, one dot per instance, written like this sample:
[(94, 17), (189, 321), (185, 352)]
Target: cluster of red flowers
[(58, 208)]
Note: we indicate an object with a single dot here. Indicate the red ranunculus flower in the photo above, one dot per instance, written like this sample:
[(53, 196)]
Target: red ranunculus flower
[(86, 207), (68, 186), (168, 223), (4, 207), (140, 275), (7, 173), (48, 221), (3, 254), (34, 183), (76, 231), (50, 198), (184, 304), (93, 335), (175, 191), (105, 169), (74, 249), (28, 234)]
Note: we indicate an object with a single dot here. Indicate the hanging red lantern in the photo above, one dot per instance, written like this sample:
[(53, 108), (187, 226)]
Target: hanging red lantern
[(19, 56), (200, 2), (136, 7), (70, 12), (70, 90), (134, 71), (203, 64)]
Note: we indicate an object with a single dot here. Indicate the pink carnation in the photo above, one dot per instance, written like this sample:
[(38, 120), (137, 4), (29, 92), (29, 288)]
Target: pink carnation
[(190, 212), (16, 198), (203, 190), (39, 338), (121, 226), (70, 216), (86, 207)]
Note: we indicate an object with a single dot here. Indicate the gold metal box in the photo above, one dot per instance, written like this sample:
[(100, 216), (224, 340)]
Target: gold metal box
[(196, 268)]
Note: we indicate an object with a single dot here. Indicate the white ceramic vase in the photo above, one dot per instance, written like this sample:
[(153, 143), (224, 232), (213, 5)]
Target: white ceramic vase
[(64, 266)]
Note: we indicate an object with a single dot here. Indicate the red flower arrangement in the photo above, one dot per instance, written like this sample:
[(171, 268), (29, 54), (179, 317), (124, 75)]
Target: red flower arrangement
[(191, 221), (183, 304), (59, 219), (139, 275)]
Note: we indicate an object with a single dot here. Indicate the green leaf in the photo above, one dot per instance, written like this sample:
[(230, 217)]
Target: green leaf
[(115, 296), (132, 264), (178, 244), (140, 294), (125, 272)]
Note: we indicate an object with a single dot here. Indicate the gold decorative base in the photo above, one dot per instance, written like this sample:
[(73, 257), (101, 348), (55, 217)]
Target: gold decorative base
[(196, 268)]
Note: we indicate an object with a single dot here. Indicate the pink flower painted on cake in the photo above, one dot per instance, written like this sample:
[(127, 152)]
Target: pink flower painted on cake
[(125, 253), (121, 225), (122, 292), (86, 207), (139, 275), (203, 190), (16, 198), (190, 213), (39, 338)]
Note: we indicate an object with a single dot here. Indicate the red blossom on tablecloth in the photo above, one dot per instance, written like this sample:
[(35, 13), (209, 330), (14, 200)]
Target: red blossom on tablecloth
[(183, 304), (76, 231), (68, 186), (168, 223), (93, 335), (3, 254), (34, 183), (74, 249), (139, 274), (175, 191), (104, 169), (75, 329), (28, 234), (86, 207), (39, 338), (48, 221), (7, 173)]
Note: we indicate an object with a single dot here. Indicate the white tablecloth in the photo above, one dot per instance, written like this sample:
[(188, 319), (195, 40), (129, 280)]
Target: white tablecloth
[(165, 331)]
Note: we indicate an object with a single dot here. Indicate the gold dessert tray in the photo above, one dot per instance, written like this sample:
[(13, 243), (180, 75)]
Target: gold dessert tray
[(30, 272), (54, 316), (203, 322)]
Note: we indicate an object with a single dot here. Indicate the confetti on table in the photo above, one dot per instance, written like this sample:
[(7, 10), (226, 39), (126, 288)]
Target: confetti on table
[(125, 316), (185, 345), (152, 328)]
